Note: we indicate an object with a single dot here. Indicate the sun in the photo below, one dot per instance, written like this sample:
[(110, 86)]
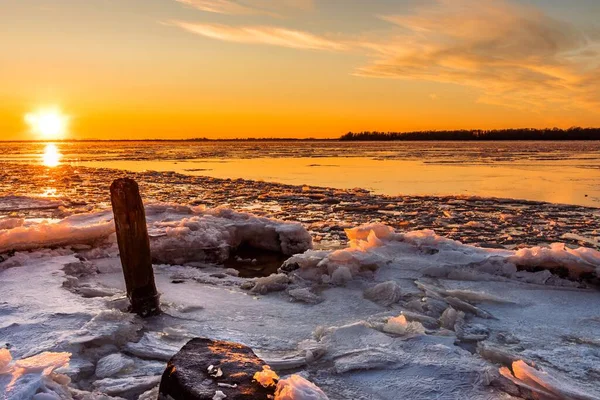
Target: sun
[(48, 123)]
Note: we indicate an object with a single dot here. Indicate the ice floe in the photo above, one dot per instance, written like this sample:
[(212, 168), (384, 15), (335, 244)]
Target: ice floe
[(393, 312), (178, 234), (376, 246)]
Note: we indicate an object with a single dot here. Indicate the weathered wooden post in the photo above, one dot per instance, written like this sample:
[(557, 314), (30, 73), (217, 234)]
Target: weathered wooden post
[(134, 247)]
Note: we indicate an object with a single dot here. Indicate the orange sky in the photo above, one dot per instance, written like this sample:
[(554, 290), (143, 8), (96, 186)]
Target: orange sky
[(297, 68)]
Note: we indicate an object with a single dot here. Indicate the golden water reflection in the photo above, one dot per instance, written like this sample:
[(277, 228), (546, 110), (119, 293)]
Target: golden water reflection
[(560, 181), (50, 192), (52, 156)]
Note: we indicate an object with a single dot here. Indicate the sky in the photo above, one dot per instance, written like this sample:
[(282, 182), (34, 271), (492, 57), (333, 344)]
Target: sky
[(141, 69)]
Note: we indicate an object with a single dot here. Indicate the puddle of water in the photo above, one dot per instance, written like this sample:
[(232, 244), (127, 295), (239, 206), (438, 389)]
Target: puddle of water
[(253, 263)]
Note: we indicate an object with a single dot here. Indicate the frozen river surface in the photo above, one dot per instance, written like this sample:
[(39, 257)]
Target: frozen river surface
[(556, 172)]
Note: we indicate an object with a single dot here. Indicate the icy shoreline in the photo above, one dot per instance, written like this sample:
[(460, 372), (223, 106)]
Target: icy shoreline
[(325, 212), (390, 312)]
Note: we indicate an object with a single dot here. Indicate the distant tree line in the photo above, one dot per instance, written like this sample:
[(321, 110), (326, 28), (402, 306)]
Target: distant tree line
[(574, 133)]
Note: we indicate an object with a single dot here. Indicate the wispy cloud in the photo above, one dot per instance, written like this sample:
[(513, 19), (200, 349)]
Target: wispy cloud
[(516, 55), (269, 35), (249, 7)]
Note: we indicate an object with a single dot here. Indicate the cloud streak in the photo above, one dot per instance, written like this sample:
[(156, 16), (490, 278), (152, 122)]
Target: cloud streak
[(516, 55), (269, 35), (249, 7)]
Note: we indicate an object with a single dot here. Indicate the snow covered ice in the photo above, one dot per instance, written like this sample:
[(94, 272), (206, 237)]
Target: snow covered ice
[(393, 315), (178, 234)]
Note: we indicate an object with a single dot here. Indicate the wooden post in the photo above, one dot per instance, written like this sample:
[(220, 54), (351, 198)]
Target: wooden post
[(134, 247)]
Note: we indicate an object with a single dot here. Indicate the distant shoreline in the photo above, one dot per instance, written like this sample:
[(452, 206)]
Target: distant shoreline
[(518, 134)]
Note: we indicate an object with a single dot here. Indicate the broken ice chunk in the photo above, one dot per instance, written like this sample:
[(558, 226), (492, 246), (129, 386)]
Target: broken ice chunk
[(267, 377), (386, 293), (112, 365), (544, 383), (400, 326), (297, 388), (271, 283), (5, 359), (305, 295)]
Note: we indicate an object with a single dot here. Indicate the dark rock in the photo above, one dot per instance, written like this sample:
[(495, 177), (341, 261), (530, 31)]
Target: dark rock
[(288, 267), (188, 377), (248, 285), (471, 332), (79, 269), (507, 338)]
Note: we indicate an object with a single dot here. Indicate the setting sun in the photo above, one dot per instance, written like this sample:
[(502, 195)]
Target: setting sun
[(48, 123)]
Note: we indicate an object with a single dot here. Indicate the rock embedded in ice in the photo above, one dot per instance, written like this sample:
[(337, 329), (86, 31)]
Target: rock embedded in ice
[(469, 332), (271, 283), (340, 276), (187, 376), (386, 293), (434, 307), (507, 338), (79, 269), (112, 365), (248, 285), (449, 317), (305, 295), (306, 262)]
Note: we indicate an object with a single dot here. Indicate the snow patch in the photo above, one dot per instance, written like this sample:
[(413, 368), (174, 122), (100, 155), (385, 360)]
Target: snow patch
[(373, 247), (178, 234)]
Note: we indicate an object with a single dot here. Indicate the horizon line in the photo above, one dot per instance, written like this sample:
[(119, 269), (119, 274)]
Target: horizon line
[(291, 139)]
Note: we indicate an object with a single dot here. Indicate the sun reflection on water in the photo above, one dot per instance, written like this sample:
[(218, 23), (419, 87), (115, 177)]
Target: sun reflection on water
[(51, 157), (50, 192)]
